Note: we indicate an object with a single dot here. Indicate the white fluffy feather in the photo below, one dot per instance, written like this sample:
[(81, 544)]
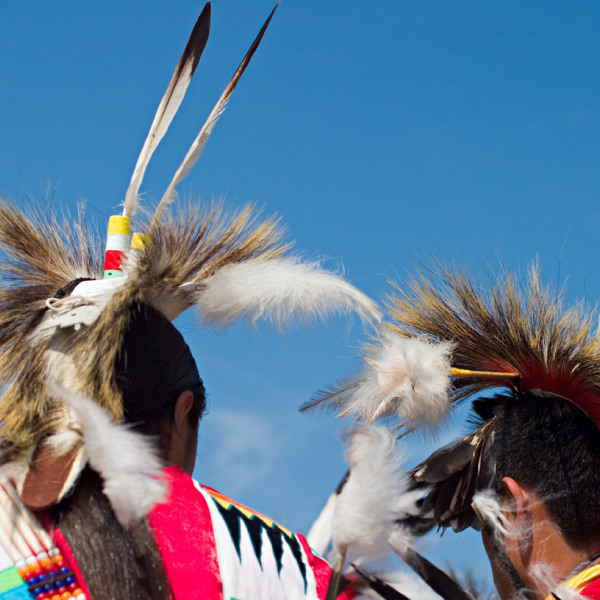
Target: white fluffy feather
[(374, 496), (127, 461), (404, 377), (279, 290), (488, 505)]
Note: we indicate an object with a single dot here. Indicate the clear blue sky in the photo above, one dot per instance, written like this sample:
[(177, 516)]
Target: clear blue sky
[(382, 132)]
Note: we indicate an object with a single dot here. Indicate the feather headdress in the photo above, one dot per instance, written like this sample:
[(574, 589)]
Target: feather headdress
[(62, 324), (511, 334)]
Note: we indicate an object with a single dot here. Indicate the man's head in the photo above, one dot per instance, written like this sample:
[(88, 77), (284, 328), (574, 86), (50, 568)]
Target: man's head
[(163, 394), (550, 445), (547, 475)]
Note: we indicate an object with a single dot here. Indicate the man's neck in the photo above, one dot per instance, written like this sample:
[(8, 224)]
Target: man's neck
[(553, 560)]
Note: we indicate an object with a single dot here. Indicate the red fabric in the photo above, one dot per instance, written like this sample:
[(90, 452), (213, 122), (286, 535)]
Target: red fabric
[(185, 537), (592, 590), (184, 534), (184, 523)]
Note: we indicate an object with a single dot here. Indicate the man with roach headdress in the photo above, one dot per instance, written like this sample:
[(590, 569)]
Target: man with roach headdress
[(101, 396), (528, 476)]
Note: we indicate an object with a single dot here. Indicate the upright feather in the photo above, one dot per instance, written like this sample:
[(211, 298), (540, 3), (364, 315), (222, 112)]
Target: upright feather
[(197, 147), (169, 104)]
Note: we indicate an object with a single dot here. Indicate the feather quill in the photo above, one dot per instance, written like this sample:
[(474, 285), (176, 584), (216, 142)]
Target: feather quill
[(319, 536), (127, 461), (169, 104), (199, 143), (405, 377), (279, 290)]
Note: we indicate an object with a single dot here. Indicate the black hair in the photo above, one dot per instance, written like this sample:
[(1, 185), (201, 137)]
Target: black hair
[(153, 367), (115, 563), (548, 443)]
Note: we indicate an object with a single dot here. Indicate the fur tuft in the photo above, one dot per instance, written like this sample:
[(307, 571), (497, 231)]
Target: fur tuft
[(127, 461), (279, 290), (374, 497)]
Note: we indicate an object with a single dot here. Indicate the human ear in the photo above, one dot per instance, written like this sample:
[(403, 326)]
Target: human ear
[(183, 405), (182, 436), (516, 495), (521, 516)]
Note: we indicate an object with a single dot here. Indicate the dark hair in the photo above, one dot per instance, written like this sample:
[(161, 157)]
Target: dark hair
[(550, 444), (115, 563), (153, 367)]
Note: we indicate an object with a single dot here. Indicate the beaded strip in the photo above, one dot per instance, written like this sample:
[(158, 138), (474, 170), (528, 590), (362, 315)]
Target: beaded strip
[(41, 568)]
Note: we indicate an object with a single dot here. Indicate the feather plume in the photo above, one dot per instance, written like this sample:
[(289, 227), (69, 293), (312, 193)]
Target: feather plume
[(169, 104), (279, 290), (199, 143), (489, 508), (404, 377), (456, 473), (127, 461), (510, 327), (374, 497)]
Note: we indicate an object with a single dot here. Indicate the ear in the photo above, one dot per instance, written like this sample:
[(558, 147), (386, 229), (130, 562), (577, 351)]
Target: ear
[(518, 497), (521, 514), (183, 405)]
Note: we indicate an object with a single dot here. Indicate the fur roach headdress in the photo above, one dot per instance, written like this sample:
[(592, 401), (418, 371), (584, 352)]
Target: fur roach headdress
[(449, 339), (63, 312)]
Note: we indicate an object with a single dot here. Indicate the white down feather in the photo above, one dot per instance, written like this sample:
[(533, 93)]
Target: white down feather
[(279, 290), (126, 460), (404, 377), (374, 496)]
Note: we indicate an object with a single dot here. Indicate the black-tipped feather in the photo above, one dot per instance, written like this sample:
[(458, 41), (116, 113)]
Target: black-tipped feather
[(441, 583), (169, 104), (198, 146), (378, 585)]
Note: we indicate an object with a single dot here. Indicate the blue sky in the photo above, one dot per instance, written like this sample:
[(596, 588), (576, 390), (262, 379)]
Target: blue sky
[(382, 132)]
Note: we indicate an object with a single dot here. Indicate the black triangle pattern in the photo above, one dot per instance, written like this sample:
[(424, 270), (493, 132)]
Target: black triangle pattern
[(255, 526), (233, 524)]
